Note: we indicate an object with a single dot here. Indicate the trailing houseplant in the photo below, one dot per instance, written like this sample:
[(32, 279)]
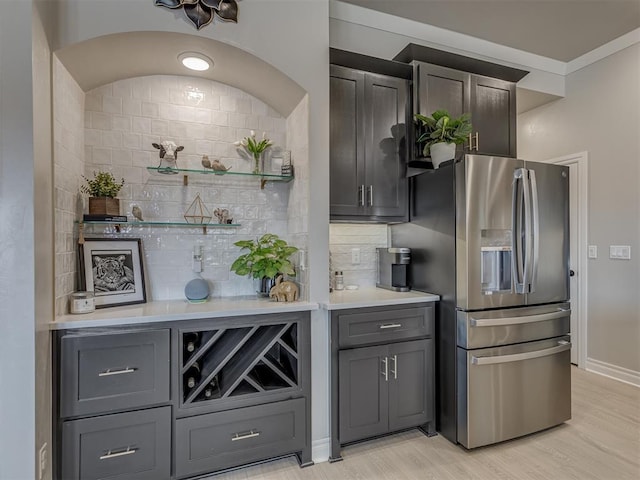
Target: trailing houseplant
[(102, 190), (266, 258), (439, 134)]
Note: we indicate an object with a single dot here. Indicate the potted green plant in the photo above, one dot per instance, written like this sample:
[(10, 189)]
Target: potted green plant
[(439, 134), (267, 257), (102, 189)]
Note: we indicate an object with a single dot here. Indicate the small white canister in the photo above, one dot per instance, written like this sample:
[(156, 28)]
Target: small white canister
[(82, 302)]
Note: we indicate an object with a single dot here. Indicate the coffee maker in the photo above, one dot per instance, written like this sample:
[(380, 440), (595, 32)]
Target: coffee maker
[(393, 268)]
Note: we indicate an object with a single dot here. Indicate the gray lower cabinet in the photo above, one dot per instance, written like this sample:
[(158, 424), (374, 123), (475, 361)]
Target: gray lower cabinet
[(123, 446), (224, 439), (382, 370), (181, 399), (384, 388)]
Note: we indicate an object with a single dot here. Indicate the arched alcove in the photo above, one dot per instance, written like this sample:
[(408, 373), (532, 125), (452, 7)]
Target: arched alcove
[(117, 94), (109, 58)]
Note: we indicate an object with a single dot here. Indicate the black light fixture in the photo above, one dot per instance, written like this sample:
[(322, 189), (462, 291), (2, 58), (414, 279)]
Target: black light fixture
[(201, 12)]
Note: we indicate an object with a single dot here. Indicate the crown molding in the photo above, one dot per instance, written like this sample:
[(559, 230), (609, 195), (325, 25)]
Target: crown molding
[(471, 46), (614, 46)]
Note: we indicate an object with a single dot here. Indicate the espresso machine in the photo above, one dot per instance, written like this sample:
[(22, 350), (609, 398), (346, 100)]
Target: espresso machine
[(393, 268)]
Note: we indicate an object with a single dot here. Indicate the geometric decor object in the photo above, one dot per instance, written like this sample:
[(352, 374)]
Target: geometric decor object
[(197, 212), (201, 12)]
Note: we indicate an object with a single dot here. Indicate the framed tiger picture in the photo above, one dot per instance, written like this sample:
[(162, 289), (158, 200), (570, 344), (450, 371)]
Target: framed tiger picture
[(112, 269)]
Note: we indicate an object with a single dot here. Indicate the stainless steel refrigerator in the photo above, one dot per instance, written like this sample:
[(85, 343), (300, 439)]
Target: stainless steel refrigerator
[(490, 236)]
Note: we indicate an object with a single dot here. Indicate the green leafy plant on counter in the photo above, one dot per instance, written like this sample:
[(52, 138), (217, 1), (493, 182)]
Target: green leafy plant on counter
[(103, 184), (440, 127), (266, 257)]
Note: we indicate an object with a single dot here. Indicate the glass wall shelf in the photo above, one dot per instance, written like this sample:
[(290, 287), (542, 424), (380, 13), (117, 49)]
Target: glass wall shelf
[(264, 177), (119, 225)]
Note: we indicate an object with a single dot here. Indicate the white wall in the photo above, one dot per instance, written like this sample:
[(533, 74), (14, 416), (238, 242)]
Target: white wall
[(601, 115), (17, 244)]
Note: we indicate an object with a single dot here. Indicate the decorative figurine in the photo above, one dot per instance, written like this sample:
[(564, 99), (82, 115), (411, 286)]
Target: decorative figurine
[(137, 213), (284, 291), (168, 156), (219, 167), (205, 161), (222, 214), (197, 212)]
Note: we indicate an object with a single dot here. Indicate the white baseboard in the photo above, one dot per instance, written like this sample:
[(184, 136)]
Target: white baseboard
[(613, 371), (320, 450)]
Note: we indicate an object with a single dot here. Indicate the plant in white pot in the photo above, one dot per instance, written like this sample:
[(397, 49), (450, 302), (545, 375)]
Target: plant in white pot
[(439, 134), (102, 190), (267, 257)]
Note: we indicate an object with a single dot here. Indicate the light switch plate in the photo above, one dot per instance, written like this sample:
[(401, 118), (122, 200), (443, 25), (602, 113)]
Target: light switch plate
[(620, 252), (593, 251)]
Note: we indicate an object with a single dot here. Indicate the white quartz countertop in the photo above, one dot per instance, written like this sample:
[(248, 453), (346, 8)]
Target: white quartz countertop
[(173, 310), (375, 297)]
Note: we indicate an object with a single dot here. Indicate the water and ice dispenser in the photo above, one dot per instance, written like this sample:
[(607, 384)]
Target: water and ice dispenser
[(496, 248)]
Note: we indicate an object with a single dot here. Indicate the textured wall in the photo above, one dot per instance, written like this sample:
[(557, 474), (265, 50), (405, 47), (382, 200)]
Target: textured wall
[(344, 237), (68, 159), (124, 118)]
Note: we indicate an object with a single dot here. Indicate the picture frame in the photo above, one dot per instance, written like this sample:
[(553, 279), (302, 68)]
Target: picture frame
[(113, 270)]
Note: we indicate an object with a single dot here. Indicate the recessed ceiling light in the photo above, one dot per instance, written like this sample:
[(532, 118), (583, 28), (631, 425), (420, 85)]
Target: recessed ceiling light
[(195, 61)]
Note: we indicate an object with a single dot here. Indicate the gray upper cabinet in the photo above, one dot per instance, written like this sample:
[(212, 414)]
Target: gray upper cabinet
[(368, 145), (491, 102)]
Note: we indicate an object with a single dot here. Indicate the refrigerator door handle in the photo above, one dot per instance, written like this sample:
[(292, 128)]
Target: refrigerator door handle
[(535, 218), (517, 259), (517, 357), (528, 230), (500, 322)]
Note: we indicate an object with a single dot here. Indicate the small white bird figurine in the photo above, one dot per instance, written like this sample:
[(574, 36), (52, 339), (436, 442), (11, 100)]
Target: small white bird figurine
[(205, 161), (137, 212)]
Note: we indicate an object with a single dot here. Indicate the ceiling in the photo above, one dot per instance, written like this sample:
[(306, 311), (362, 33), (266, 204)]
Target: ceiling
[(558, 29)]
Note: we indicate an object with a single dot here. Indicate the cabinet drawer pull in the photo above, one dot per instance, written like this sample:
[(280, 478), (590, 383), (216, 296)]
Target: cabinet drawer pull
[(390, 325), (108, 372), (110, 454), (244, 436)]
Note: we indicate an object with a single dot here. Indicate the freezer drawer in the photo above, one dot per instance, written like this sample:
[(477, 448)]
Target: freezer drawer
[(513, 325), (506, 392)]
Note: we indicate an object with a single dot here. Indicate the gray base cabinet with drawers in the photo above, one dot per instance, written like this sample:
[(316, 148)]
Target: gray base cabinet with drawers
[(382, 372), (181, 399)]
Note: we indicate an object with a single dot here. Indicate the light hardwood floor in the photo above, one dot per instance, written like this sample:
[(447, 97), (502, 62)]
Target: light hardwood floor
[(600, 442)]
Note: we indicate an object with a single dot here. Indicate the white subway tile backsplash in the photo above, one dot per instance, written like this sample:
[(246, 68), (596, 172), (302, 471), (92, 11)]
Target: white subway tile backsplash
[(205, 117), (111, 104), (150, 109)]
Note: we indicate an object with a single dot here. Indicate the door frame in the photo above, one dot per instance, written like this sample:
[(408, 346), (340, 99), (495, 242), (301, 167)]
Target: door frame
[(581, 159)]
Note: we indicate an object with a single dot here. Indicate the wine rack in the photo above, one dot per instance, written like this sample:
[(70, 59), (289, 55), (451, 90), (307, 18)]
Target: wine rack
[(229, 362)]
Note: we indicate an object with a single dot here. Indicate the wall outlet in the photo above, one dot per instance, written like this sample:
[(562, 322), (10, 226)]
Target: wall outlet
[(355, 256), (42, 461)]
